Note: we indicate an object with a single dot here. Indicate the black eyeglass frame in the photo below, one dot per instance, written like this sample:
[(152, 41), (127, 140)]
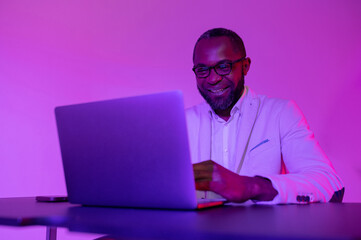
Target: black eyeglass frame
[(215, 68)]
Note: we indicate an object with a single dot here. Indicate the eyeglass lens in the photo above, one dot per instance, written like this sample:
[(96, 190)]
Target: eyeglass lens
[(221, 69)]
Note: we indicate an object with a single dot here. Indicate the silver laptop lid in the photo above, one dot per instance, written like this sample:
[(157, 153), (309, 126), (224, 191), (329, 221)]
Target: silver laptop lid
[(130, 152)]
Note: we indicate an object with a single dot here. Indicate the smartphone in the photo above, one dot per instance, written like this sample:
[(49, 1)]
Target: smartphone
[(51, 198)]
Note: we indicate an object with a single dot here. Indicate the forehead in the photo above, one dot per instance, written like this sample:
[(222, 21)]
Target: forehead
[(210, 51)]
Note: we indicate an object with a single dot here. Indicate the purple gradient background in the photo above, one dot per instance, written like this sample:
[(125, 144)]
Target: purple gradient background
[(61, 52)]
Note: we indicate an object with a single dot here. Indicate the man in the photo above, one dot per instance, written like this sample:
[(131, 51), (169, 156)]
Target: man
[(241, 142)]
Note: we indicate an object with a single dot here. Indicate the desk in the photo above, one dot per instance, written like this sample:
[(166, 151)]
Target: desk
[(314, 221)]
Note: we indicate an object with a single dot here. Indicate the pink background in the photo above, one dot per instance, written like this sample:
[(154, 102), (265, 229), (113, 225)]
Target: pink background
[(61, 52)]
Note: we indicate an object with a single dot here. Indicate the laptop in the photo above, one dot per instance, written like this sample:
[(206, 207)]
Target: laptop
[(128, 152)]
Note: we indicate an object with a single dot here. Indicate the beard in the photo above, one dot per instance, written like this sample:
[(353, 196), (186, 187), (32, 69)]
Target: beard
[(227, 102)]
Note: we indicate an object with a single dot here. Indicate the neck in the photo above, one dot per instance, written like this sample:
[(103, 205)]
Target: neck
[(224, 114)]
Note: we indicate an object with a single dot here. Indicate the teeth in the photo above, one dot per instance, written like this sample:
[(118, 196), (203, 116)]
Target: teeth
[(217, 91)]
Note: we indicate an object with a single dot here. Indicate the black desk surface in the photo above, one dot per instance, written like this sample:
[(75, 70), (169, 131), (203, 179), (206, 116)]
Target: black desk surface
[(314, 221)]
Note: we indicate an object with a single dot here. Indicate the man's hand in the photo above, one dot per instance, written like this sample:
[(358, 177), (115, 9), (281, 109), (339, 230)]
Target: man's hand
[(210, 176)]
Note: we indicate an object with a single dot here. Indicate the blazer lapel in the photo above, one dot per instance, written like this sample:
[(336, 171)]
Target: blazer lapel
[(249, 111)]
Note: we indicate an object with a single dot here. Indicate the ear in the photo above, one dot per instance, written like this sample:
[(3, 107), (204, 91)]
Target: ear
[(246, 65)]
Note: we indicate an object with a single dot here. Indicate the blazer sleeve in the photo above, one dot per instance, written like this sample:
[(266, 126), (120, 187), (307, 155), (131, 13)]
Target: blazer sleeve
[(310, 175)]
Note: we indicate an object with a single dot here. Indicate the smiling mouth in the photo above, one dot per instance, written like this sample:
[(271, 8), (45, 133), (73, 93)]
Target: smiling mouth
[(217, 91)]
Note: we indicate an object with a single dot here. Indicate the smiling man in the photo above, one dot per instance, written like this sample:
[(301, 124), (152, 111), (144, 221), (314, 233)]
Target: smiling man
[(246, 146)]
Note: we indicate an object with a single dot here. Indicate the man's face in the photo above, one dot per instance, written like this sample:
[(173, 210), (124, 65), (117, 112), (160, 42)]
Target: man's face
[(220, 92)]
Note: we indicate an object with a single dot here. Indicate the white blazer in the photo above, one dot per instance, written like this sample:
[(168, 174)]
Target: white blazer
[(280, 138)]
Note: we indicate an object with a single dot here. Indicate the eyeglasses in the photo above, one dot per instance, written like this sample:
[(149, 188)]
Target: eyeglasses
[(222, 68)]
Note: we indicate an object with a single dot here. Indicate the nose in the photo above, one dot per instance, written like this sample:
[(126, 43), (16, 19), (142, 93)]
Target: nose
[(213, 77)]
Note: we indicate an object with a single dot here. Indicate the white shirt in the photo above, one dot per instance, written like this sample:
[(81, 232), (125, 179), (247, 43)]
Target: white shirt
[(223, 142)]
